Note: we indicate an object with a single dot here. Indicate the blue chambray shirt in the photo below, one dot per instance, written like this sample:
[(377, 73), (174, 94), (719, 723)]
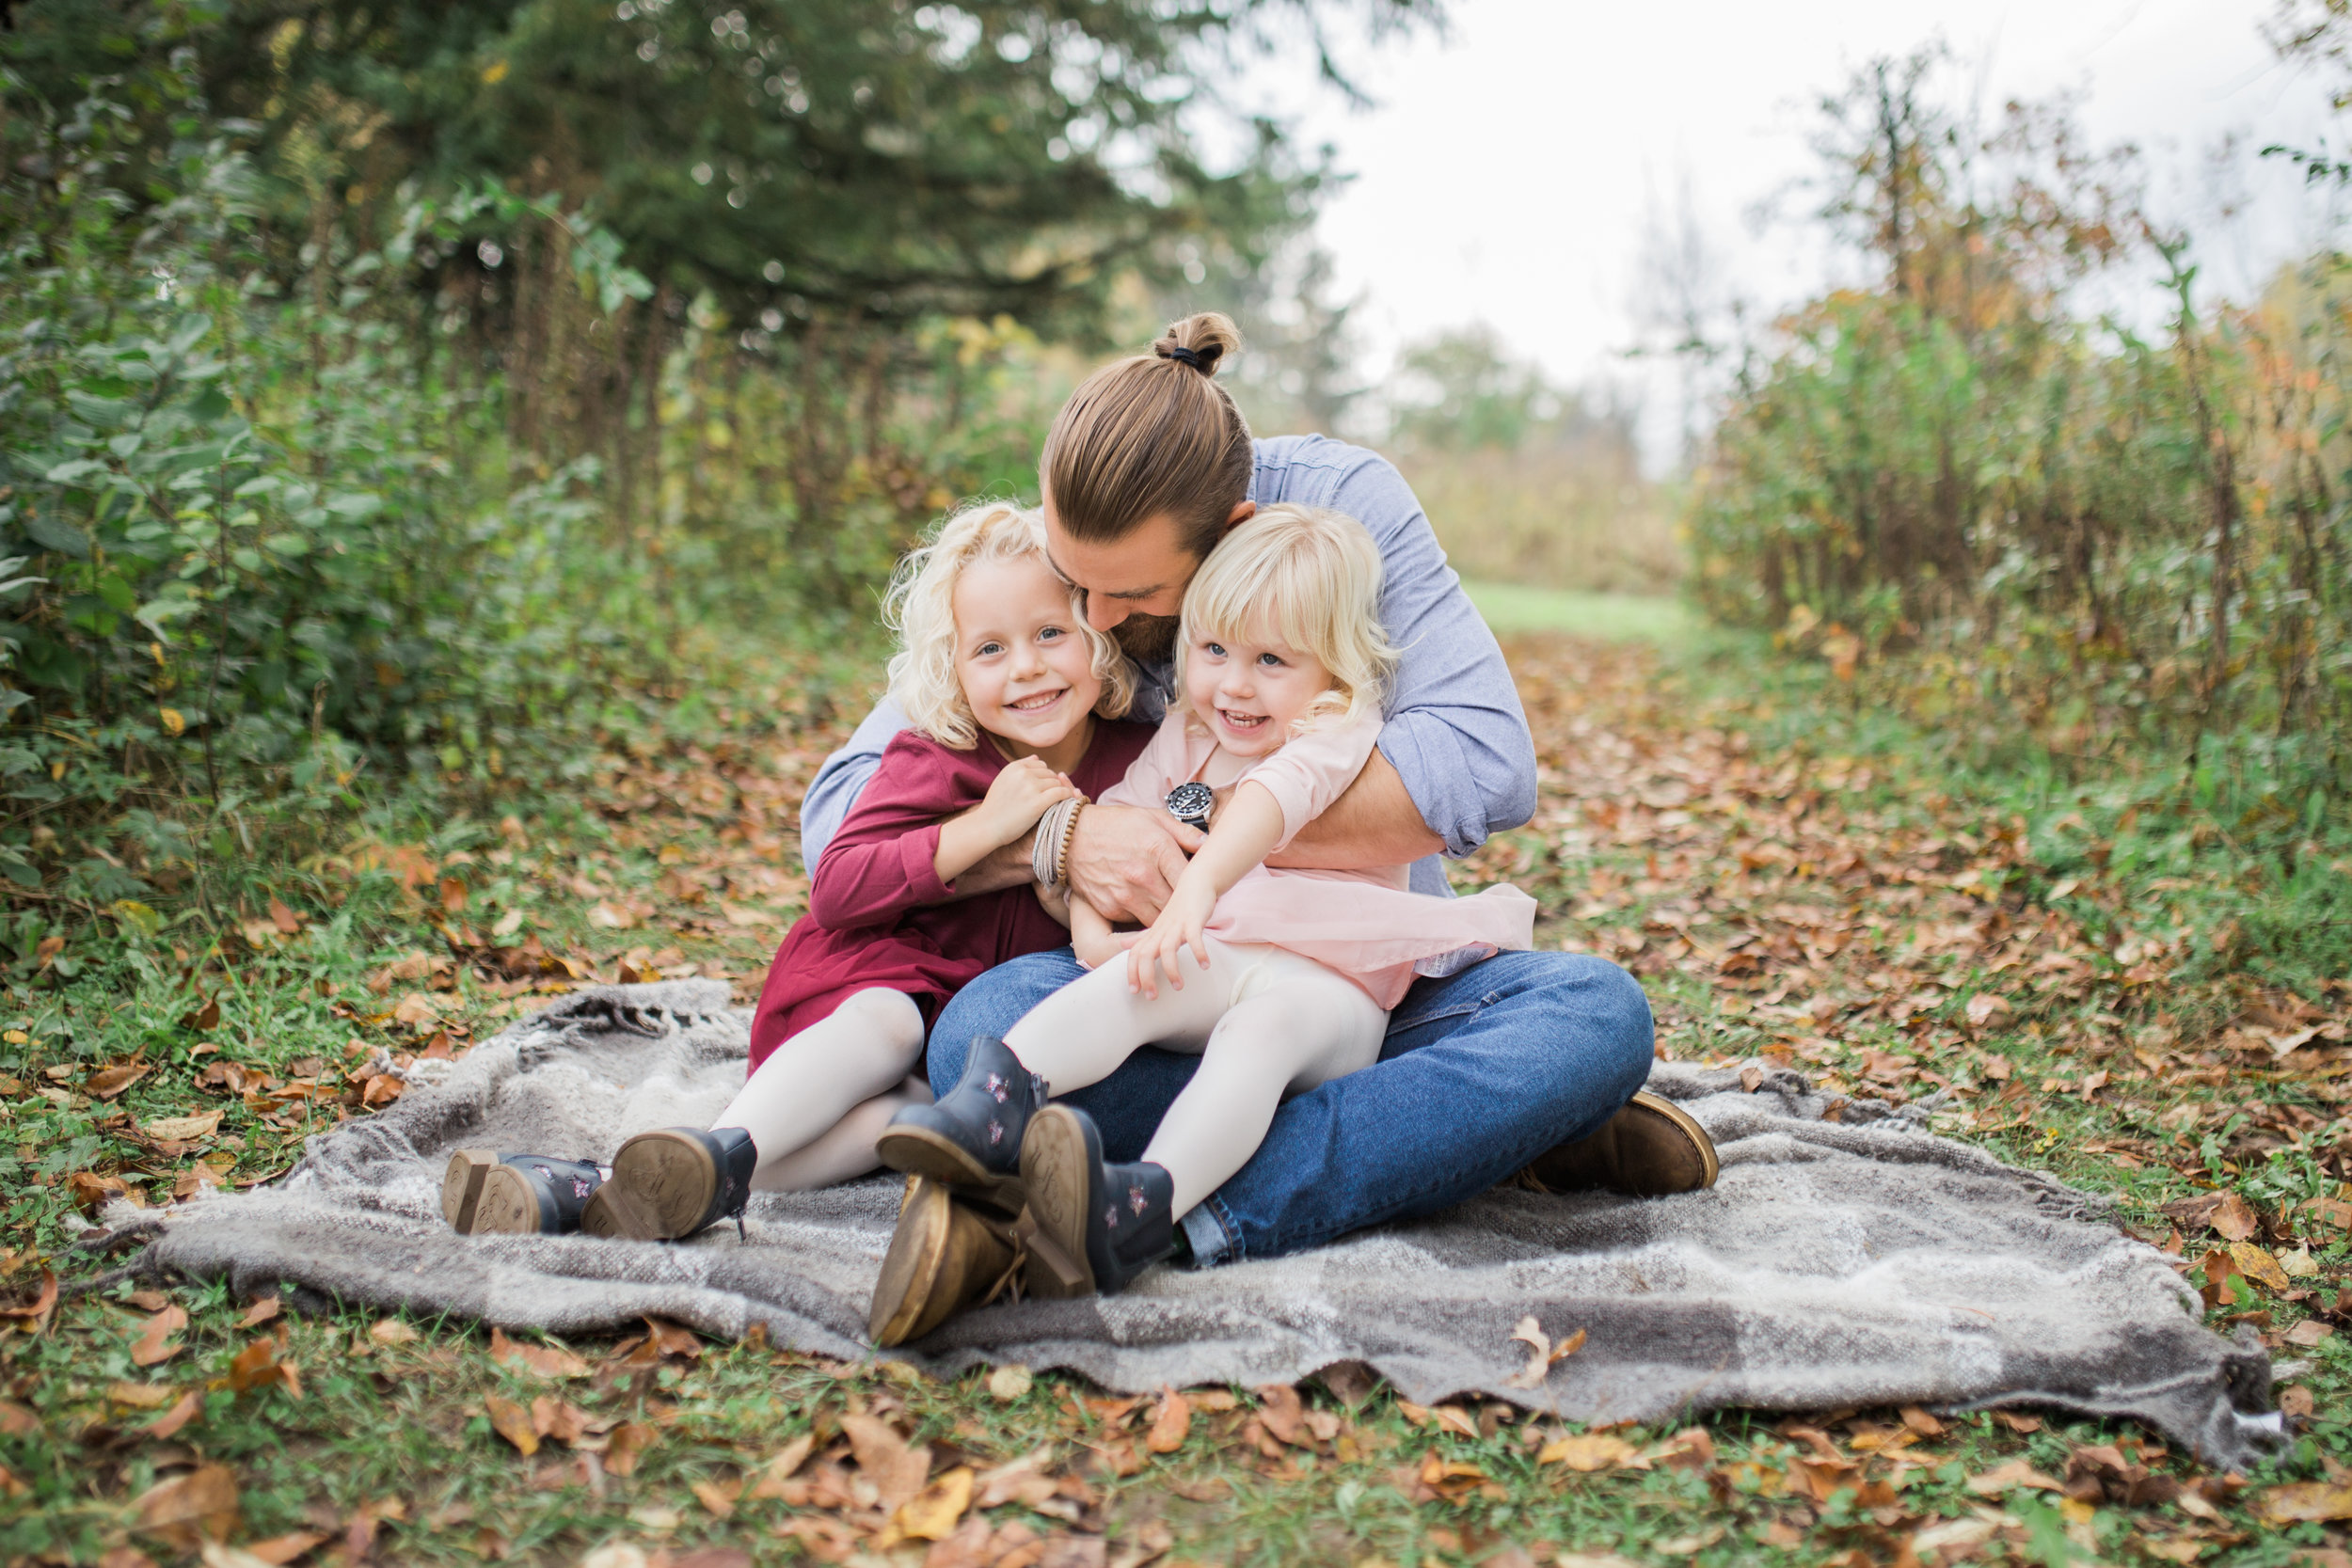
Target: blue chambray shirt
[(1455, 729)]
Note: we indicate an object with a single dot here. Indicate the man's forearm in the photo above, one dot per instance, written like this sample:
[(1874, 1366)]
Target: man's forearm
[(1374, 823)]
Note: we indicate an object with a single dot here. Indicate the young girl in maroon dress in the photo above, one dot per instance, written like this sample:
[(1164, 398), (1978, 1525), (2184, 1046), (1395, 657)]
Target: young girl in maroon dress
[(1014, 702)]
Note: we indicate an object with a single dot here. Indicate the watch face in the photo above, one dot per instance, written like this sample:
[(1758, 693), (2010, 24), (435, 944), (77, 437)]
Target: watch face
[(1191, 802)]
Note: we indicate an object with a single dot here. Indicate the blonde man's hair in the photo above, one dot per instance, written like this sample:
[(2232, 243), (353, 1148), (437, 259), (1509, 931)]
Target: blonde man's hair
[(1308, 579), (1153, 436), (921, 607)]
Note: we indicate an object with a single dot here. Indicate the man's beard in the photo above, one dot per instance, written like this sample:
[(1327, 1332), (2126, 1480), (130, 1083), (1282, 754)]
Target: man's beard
[(1149, 640)]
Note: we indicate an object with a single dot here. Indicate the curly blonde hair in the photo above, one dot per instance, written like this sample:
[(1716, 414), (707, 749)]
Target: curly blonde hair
[(920, 608), (1309, 579)]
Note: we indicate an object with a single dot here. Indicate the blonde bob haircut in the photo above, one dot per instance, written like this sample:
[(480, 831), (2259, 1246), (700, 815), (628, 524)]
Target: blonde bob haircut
[(1308, 579), (921, 607)]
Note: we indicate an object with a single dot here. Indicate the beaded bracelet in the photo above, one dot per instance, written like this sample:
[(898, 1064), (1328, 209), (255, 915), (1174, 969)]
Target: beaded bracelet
[(1049, 848), (1041, 847), (1063, 840)]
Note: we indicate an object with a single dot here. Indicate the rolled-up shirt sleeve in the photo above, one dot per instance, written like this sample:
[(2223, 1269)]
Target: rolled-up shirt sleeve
[(1455, 733)]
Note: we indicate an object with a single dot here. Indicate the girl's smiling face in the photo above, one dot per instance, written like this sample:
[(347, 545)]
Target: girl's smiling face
[(1025, 671), (1250, 691)]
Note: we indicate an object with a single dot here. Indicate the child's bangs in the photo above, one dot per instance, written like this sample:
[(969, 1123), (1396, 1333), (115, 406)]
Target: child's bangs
[(1255, 600)]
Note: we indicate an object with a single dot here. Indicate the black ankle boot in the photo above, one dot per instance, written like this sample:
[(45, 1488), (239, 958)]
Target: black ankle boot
[(972, 1135), (668, 1185), (1113, 1221), (484, 1193)]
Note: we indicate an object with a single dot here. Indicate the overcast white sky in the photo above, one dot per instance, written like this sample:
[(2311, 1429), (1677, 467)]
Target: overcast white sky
[(1506, 173)]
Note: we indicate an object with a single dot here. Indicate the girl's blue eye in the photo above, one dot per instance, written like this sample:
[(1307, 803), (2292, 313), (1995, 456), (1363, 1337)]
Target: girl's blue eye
[(1049, 633), (987, 650), (1215, 650), (1270, 661)]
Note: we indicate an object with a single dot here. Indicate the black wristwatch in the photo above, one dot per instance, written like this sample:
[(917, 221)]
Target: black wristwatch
[(1191, 804)]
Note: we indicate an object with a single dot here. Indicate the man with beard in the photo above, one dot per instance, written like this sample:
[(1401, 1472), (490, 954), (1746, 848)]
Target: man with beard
[(1527, 1062)]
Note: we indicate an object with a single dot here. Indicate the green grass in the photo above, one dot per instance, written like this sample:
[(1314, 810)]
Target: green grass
[(675, 828), (1511, 608)]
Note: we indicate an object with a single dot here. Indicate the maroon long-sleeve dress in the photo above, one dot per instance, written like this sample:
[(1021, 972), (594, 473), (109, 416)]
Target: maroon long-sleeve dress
[(877, 914)]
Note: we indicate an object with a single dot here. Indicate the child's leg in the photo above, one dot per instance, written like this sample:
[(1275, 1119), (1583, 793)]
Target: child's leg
[(1079, 1035), (845, 1151), (827, 1071), (1305, 1027)]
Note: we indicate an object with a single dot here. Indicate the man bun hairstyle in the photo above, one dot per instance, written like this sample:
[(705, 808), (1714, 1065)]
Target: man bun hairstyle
[(1152, 434)]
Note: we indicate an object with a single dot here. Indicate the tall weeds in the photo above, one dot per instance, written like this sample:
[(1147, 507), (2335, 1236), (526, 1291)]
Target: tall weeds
[(2028, 525)]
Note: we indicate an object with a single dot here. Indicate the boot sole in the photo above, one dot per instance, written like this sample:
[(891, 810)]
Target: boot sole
[(662, 1183), (461, 1186), (508, 1205), (910, 1269), (1057, 1168), (920, 1151)]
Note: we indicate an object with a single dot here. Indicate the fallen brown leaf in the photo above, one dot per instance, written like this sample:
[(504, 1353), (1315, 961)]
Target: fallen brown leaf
[(280, 1549), (1591, 1450), (897, 1469), (2309, 1501), (108, 1083), (155, 1343), (512, 1423), (1170, 1422), (2258, 1265), (931, 1514), (628, 1440), (142, 1396), (45, 1297), (2008, 1476), (183, 1129), (180, 1415), (718, 1496), (189, 1508), (780, 1469), (1283, 1415), (545, 1360)]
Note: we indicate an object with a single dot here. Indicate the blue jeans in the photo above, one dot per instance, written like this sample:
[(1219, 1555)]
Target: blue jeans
[(1480, 1072)]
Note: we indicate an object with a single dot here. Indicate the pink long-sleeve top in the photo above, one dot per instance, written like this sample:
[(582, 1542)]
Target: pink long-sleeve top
[(1363, 923), (877, 914)]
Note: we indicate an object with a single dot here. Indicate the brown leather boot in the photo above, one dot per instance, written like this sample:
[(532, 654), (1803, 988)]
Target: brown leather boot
[(1648, 1149), (955, 1247)]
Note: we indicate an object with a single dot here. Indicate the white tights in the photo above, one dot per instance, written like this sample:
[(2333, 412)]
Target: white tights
[(1266, 1022), (822, 1098)]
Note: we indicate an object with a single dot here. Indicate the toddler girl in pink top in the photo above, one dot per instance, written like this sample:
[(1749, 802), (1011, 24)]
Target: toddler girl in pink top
[(1281, 979)]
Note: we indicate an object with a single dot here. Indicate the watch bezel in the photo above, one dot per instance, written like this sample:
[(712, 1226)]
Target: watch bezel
[(1191, 804)]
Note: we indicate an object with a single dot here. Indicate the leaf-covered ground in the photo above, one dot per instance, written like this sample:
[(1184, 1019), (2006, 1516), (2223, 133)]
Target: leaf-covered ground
[(1787, 887)]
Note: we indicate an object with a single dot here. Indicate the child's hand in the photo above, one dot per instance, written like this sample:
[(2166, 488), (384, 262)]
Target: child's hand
[(1180, 925), (1096, 951), (1019, 796)]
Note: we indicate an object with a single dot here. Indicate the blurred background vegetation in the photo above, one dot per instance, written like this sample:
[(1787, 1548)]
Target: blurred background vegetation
[(401, 395)]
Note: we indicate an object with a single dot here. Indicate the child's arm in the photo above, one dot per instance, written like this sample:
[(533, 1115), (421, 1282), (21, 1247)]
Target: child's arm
[(1017, 798), (885, 860), (1246, 831)]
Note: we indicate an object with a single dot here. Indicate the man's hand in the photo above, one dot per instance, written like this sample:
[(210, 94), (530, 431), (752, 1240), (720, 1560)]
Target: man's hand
[(1125, 859)]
